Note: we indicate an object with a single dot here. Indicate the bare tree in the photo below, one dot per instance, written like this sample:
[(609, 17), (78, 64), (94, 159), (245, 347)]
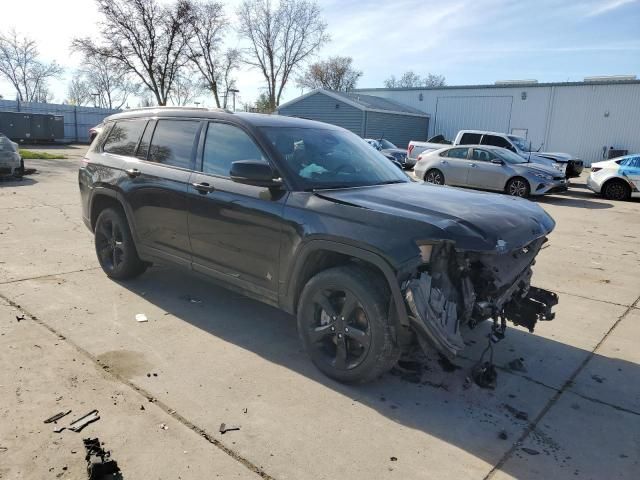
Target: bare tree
[(208, 24), (281, 38), (21, 65), (230, 63), (109, 82), (412, 80), (145, 38), (79, 91), (335, 73), (185, 90)]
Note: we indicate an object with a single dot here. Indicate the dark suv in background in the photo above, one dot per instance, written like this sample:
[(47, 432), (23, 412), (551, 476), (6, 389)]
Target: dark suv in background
[(307, 217)]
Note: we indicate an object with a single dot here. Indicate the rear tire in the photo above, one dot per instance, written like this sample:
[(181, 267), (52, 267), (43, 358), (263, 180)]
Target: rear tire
[(115, 247), (518, 187), (616, 190), (344, 324), (434, 176)]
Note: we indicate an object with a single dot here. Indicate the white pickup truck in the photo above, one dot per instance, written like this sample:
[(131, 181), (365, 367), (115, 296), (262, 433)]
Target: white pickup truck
[(570, 166)]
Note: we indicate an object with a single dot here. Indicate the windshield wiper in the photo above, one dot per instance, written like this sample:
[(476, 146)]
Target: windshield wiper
[(389, 182)]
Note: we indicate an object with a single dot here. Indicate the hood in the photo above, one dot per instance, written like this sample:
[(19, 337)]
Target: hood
[(395, 151), (538, 168), (559, 157), (475, 221)]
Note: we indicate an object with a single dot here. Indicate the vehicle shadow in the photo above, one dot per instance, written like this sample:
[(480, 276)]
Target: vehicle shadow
[(575, 197), (439, 403), (17, 182)]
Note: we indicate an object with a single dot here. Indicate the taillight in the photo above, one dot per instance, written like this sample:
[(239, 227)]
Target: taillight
[(595, 169), (410, 149)]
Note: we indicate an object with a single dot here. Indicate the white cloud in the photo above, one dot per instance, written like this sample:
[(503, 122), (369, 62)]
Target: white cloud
[(601, 7)]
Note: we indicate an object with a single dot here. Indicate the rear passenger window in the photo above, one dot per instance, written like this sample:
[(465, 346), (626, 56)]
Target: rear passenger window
[(123, 137), (496, 141), (482, 155), (173, 142), (457, 153), (224, 145), (470, 139)]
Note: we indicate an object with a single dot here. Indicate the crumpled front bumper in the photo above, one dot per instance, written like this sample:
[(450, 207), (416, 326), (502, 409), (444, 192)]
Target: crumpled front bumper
[(459, 290)]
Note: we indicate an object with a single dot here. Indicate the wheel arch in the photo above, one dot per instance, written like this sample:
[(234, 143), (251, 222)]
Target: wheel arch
[(506, 184), (104, 198), (318, 255), (614, 179)]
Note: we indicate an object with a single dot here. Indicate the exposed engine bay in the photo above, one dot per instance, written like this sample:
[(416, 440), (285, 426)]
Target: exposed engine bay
[(456, 289)]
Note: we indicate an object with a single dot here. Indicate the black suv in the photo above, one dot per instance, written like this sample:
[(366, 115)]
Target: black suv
[(307, 217)]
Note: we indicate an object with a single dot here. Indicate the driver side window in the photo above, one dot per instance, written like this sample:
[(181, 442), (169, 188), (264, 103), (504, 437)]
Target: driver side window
[(482, 155), (225, 144)]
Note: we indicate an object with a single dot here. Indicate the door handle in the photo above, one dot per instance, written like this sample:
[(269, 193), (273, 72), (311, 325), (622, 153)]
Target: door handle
[(133, 172), (473, 165), (203, 188), (443, 162)]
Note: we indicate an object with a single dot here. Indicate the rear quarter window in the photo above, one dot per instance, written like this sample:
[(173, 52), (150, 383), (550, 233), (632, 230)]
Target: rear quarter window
[(124, 136), (470, 139)]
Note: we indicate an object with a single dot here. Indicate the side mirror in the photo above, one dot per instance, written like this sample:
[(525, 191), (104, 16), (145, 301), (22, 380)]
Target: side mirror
[(497, 161), (254, 172)]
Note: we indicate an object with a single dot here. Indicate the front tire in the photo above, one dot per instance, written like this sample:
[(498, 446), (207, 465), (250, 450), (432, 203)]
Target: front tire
[(434, 176), (115, 247), (518, 187), (344, 325), (616, 190)]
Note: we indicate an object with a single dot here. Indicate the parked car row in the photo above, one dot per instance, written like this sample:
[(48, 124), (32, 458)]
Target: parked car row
[(488, 168), (616, 179)]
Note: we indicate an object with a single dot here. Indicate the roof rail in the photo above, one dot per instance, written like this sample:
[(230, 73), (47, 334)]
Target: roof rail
[(207, 109)]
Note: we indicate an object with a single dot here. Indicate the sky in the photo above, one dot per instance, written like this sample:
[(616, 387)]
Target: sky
[(468, 41)]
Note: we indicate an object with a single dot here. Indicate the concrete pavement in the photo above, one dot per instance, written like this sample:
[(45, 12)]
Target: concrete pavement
[(230, 359)]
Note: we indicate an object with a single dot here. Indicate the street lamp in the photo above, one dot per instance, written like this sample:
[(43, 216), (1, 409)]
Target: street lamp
[(233, 91)]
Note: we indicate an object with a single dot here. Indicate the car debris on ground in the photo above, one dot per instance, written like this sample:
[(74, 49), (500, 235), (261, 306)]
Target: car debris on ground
[(80, 423), (224, 428), (100, 465), (57, 416), (141, 317)]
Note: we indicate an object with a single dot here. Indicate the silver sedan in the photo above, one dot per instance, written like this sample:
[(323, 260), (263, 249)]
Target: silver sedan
[(488, 168)]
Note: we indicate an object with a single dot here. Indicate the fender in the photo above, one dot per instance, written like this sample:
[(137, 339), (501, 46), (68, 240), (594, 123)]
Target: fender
[(289, 302), (116, 195)]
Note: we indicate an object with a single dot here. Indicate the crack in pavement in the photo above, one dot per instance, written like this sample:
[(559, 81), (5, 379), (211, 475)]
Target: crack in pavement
[(48, 275), (553, 400), (163, 406)]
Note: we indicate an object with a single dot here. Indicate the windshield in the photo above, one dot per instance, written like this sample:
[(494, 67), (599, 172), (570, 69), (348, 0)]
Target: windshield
[(386, 143), (322, 158), (509, 157), (520, 143)]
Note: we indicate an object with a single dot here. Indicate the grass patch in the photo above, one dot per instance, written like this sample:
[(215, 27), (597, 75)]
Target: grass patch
[(36, 155)]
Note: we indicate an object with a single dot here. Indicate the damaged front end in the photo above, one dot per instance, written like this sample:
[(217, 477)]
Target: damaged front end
[(451, 289)]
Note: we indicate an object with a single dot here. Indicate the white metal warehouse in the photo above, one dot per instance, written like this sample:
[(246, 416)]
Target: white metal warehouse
[(584, 119)]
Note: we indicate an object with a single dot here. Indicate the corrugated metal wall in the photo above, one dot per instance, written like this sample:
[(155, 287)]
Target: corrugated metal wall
[(576, 119), (486, 113), (323, 108), (77, 120), (398, 129)]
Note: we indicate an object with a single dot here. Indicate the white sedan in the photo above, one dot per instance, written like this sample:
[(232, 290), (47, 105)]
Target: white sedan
[(616, 179)]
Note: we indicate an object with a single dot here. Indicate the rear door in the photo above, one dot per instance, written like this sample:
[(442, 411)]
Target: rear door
[(455, 165), (485, 174), (156, 187), (235, 229)]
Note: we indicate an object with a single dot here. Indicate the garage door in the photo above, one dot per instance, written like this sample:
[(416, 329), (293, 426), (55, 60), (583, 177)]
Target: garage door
[(472, 113)]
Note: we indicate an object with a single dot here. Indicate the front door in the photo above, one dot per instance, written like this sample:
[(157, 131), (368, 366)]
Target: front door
[(485, 174), (235, 229), (156, 187)]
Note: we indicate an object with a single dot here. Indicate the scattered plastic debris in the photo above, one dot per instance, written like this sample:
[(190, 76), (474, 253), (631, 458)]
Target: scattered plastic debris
[(519, 414), (164, 426), (141, 317), (517, 365), (59, 429), (530, 451), (57, 416), (224, 428), (394, 459), (80, 423), (20, 317), (99, 462)]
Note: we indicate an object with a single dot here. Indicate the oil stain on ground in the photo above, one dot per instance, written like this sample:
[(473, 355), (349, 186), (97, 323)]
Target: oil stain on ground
[(125, 363)]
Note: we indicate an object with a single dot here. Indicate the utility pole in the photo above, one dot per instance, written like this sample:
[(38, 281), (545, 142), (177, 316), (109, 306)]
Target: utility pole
[(233, 91)]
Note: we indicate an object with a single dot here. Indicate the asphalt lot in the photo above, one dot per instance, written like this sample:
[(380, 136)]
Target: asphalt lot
[(208, 356)]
